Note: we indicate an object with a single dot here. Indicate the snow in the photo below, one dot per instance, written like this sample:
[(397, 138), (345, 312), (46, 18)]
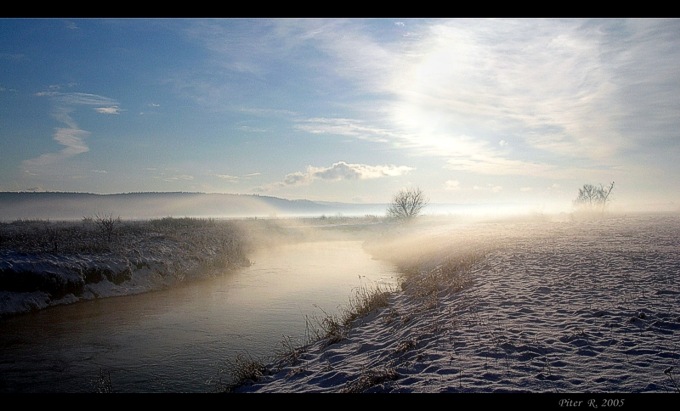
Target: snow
[(571, 306), (142, 257), (547, 305)]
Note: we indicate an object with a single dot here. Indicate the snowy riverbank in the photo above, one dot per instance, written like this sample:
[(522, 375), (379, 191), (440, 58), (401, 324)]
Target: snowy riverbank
[(44, 263), (589, 306), (514, 306)]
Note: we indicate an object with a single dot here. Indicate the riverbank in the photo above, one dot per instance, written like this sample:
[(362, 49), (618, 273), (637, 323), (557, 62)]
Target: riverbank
[(47, 263), (520, 306), (530, 305), (43, 263)]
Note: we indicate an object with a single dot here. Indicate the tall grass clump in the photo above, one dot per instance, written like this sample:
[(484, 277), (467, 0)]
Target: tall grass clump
[(243, 370), (332, 328), (364, 300), (328, 329)]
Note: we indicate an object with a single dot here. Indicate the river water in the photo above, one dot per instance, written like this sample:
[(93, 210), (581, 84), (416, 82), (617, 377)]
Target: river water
[(182, 339)]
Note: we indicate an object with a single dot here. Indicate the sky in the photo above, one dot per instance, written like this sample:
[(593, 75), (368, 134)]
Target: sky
[(491, 112)]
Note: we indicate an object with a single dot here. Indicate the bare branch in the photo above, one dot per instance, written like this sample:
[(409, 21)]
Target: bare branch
[(590, 196), (407, 204)]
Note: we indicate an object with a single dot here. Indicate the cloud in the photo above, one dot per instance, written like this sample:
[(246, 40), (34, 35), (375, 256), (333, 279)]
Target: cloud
[(76, 99), (495, 165), (71, 25), (337, 172), (108, 110), (567, 91), (297, 178), (455, 85), (540, 83), (73, 141), (179, 177), (346, 127), (344, 171), (227, 177), (71, 136)]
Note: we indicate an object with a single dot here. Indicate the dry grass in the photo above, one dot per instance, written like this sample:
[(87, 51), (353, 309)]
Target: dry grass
[(105, 234), (289, 351), (365, 300), (244, 370), (369, 379), (328, 329), (420, 278), (450, 276), (207, 247)]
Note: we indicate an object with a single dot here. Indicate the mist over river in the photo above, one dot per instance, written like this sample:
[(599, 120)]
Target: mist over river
[(180, 339)]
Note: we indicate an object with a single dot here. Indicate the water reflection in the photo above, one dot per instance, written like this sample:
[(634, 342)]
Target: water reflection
[(177, 340)]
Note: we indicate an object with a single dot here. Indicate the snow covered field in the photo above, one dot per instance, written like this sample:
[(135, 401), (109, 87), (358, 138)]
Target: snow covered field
[(532, 305), (570, 305)]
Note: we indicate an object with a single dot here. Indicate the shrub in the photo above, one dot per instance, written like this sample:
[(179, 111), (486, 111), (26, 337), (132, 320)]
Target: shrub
[(407, 204), (591, 197), (107, 224)]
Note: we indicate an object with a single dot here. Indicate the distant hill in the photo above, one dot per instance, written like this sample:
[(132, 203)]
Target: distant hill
[(68, 206)]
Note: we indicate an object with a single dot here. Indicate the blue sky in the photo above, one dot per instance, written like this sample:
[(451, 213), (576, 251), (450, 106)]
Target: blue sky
[(472, 111)]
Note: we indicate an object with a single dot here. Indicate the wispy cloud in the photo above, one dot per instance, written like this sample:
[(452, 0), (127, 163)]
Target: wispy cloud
[(108, 110), (185, 177), (539, 97), (567, 88), (346, 127), (76, 99), (73, 141), (556, 79), (71, 25), (71, 136), (491, 164), (482, 78), (228, 178), (176, 177)]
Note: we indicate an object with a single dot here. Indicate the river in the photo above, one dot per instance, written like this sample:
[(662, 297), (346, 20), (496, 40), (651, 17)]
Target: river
[(181, 340)]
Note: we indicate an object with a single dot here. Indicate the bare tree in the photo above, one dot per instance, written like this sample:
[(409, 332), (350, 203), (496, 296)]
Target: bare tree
[(407, 204), (592, 197), (107, 224)]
